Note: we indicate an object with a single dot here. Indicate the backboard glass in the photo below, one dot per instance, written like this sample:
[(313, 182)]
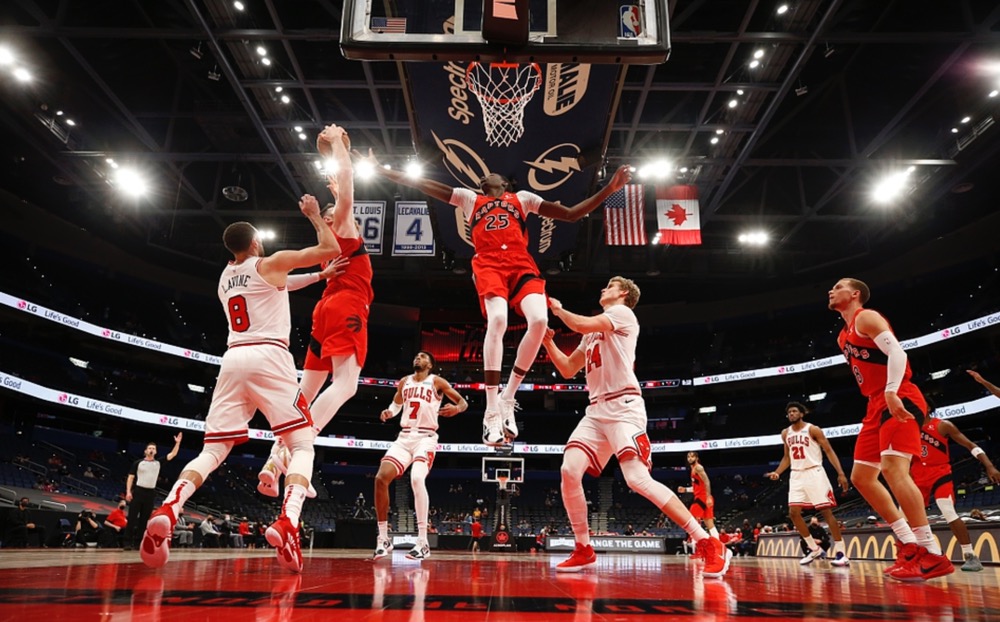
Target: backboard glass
[(514, 468), (572, 31)]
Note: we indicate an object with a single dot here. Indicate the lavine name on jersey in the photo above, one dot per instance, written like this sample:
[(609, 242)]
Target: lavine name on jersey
[(239, 280)]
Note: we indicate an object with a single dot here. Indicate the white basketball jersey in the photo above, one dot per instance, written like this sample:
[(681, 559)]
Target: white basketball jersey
[(610, 365), (421, 403), (803, 450), (257, 311)]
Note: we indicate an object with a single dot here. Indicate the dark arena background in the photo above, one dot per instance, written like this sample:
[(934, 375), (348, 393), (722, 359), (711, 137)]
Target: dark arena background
[(812, 139)]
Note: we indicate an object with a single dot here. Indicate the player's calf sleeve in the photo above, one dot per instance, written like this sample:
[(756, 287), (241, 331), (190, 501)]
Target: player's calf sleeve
[(638, 479), (300, 445), (536, 314), (343, 386), (574, 499), (312, 381), (496, 326), (211, 456), (421, 500)]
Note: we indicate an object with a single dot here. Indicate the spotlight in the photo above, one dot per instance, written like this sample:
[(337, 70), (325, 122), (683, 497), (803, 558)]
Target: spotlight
[(802, 90), (364, 169), (302, 136), (754, 64), (759, 54), (22, 74), (782, 9), (966, 119), (715, 140), (239, 6), (71, 122), (196, 51), (285, 99), (213, 74), (733, 103), (279, 89), (298, 128), (994, 93), (266, 61), (414, 170), (262, 50), (131, 182), (6, 56)]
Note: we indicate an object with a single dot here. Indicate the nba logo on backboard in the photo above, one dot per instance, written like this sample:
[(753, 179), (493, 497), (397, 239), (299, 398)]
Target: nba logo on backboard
[(630, 26)]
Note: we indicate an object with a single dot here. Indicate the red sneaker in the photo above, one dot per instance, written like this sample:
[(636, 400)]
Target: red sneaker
[(904, 555), (924, 566), (582, 557), (285, 538), (155, 547), (716, 555)]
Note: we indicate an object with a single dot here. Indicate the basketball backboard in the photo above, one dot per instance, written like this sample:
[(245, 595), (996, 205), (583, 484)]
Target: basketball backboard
[(571, 31), (513, 467)]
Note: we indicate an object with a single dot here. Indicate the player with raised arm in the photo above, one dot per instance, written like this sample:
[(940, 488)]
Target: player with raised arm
[(992, 388), (809, 487), (418, 397), (505, 274), (614, 423), (932, 473), (703, 506), (890, 431), (257, 372), (338, 341)]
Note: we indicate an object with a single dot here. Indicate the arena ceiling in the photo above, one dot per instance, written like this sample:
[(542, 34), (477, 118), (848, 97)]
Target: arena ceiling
[(851, 90)]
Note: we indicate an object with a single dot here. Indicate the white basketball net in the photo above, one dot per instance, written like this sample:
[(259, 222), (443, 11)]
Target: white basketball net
[(502, 481), (503, 91)]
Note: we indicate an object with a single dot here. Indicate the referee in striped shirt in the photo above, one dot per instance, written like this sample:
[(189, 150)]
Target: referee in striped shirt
[(141, 487)]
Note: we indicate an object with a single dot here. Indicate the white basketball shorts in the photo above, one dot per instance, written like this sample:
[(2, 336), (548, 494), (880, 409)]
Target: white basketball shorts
[(615, 427), (811, 488), (411, 447)]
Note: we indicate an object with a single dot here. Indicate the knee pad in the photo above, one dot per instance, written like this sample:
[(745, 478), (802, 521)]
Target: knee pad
[(947, 507), (300, 445), (211, 456), (638, 479)]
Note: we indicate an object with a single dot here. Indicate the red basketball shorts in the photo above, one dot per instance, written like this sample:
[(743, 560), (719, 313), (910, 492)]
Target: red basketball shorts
[(933, 481), (882, 433), (510, 275), (339, 327), (701, 510)]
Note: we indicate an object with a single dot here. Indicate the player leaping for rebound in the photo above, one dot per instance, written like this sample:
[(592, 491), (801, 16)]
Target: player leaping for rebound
[(338, 342), (505, 274)]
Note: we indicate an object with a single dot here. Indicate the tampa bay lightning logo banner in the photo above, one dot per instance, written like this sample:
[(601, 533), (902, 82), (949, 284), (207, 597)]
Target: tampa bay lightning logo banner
[(567, 116)]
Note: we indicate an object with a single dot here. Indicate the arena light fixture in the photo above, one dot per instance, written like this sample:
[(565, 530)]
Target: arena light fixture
[(754, 238), (82, 364), (267, 234), (22, 74), (759, 54), (684, 169), (285, 99), (656, 239), (302, 136), (715, 140), (954, 130), (71, 122), (754, 64), (298, 128), (733, 103), (657, 169), (330, 167), (994, 93), (937, 375), (364, 169), (266, 61), (966, 119), (262, 50), (196, 388), (815, 397), (891, 187), (414, 170), (131, 181), (6, 56), (720, 131), (239, 6), (279, 89), (782, 9), (707, 409)]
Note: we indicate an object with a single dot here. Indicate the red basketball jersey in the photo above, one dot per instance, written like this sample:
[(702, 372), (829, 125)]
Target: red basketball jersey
[(698, 486), (868, 364), (497, 223), (357, 277), (933, 444)]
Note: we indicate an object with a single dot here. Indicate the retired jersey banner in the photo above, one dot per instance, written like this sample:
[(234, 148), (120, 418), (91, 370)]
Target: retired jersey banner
[(565, 125), (413, 235), (677, 215), (370, 216)]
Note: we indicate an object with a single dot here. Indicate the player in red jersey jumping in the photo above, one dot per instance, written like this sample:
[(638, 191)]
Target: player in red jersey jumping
[(338, 342), (505, 274), (890, 432)]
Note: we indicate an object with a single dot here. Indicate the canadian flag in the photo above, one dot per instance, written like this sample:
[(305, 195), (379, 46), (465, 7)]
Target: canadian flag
[(677, 215)]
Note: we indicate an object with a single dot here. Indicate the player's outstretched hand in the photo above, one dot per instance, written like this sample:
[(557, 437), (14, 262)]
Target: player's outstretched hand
[(896, 408), (178, 437), (309, 205), (555, 305), (975, 376), (622, 176), (993, 474), (335, 268), (369, 159), (448, 410), (842, 481), (549, 336), (386, 415), (773, 476)]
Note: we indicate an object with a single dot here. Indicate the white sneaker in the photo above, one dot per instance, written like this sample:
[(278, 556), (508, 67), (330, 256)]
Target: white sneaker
[(816, 553), (840, 560), (382, 549), (420, 550), (493, 429), (507, 410), (267, 480)]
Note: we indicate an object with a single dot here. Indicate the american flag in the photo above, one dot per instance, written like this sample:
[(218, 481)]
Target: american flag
[(624, 215), (389, 24)]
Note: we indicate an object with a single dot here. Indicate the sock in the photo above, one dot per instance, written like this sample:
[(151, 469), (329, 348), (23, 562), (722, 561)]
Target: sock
[(512, 384), (903, 532), (926, 539), (492, 397), (967, 550), (812, 544), (693, 529), (383, 530), (838, 545), (179, 494), (713, 532), (575, 502), (295, 495)]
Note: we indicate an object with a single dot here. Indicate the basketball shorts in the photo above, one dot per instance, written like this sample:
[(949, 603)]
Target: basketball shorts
[(882, 434), (411, 447), (614, 427), (701, 510), (512, 276), (255, 377), (934, 482), (339, 327), (810, 488)]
